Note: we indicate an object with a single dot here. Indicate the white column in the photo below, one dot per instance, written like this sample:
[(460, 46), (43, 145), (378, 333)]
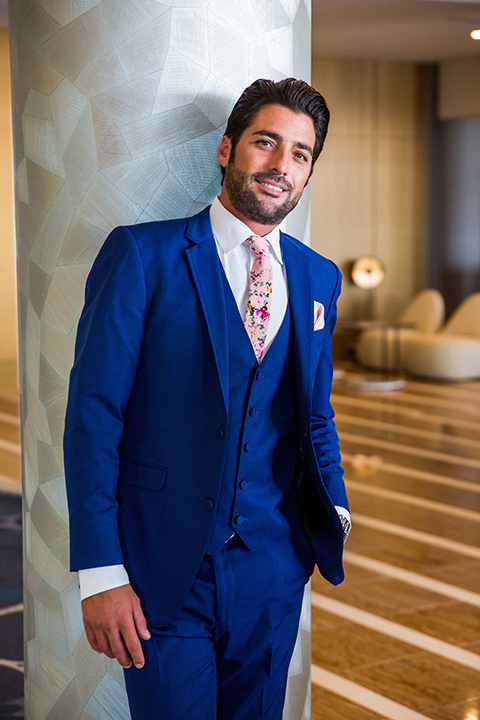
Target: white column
[(119, 106)]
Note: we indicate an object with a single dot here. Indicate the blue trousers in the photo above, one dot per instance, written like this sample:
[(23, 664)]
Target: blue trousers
[(226, 653)]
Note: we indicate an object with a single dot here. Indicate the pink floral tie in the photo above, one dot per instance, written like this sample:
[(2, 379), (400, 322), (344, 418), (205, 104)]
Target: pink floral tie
[(257, 315)]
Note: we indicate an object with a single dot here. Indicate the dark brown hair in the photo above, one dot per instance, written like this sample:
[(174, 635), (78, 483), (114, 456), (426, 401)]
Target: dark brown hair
[(296, 95)]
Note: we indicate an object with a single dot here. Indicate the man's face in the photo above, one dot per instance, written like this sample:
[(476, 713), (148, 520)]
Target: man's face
[(266, 175)]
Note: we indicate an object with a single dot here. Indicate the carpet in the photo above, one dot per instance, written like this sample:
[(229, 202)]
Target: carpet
[(11, 609)]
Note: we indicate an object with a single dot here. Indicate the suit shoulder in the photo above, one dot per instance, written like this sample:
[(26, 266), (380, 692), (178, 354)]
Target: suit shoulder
[(315, 258), (155, 230)]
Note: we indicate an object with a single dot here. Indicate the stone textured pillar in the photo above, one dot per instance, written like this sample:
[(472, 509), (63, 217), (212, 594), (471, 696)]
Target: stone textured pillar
[(119, 106)]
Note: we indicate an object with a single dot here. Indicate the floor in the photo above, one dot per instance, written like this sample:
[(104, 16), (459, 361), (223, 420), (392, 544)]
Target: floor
[(400, 639)]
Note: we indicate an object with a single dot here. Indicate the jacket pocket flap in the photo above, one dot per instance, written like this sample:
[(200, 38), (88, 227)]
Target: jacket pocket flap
[(143, 475)]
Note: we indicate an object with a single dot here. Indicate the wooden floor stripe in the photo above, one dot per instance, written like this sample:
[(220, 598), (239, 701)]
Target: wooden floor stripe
[(394, 630), (416, 535), (426, 388), (12, 664), (430, 477), (10, 485), (412, 578), (413, 500), (409, 449), (424, 401), (435, 435), (11, 447), (397, 409), (359, 695), (11, 609), (9, 419)]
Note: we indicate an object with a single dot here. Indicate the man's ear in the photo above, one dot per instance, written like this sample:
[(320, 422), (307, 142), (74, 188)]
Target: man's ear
[(224, 150)]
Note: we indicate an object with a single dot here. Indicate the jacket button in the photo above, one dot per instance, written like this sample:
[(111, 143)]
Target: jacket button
[(253, 411), (240, 519), (220, 433), (259, 375), (243, 484), (248, 447), (208, 504)]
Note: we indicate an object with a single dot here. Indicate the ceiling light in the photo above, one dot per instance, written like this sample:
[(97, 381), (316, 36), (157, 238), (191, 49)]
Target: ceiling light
[(475, 34)]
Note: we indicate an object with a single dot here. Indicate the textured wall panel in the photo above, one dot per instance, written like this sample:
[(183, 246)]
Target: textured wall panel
[(119, 109)]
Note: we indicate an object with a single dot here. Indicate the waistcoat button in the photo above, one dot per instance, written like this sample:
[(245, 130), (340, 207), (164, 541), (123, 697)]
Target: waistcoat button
[(243, 484), (248, 447), (253, 411), (208, 504), (240, 519), (220, 433)]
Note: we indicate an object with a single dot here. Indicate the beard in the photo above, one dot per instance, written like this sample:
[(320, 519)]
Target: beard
[(244, 199)]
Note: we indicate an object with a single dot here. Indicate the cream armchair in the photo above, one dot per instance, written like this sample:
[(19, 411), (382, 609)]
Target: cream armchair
[(426, 310), (454, 352)]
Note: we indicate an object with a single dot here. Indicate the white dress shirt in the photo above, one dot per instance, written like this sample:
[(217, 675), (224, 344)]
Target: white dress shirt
[(237, 258)]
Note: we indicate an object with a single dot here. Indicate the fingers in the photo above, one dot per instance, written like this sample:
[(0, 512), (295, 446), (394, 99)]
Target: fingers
[(101, 646), (111, 644), (119, 643), (134, 646), (114, 620), (140, 622), (92, 639), (119, 650)]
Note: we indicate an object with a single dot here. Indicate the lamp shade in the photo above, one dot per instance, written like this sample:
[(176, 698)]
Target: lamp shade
[(367, 272)]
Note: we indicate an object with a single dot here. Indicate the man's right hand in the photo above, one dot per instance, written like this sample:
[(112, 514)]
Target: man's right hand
[(114, 621)]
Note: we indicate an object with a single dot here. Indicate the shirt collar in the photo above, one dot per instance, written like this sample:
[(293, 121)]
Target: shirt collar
[(230, 232)]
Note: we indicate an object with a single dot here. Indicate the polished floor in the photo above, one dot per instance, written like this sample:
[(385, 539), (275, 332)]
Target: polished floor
[(400, 639)]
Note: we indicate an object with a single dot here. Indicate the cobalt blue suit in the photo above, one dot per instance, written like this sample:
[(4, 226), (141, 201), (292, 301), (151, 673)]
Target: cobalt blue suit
[(161, 428)]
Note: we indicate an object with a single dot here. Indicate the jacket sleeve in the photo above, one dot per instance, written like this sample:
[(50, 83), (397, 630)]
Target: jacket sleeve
[(323, 431), (108, 344)]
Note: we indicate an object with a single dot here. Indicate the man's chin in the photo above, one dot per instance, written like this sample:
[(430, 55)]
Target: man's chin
[(273, 217)]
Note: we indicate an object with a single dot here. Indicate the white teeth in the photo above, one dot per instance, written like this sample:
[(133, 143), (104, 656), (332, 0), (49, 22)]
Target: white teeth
[(274, 187)]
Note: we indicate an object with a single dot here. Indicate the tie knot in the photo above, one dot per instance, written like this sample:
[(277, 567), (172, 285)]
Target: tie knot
[(260, 245)]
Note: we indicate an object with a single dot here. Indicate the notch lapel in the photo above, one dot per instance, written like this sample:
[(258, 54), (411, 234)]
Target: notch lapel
[(204, 262), (301, 307)]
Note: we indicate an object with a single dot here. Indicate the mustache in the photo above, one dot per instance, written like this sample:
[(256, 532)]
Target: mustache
[(276, 179)]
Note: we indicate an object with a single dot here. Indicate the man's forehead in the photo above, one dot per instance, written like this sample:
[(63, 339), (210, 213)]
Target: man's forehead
[(275, 110), (274, 117)]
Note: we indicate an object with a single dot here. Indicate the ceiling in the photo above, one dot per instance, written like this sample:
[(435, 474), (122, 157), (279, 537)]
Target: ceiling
[(403, 30), (396, 30)]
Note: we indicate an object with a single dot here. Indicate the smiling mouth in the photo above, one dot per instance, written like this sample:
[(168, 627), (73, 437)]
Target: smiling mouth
[(269, 186)]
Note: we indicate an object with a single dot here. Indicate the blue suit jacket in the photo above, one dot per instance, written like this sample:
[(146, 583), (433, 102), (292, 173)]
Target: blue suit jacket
[(149, 395)]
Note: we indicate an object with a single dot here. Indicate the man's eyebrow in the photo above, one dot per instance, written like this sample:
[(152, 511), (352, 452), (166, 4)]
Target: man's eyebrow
[(278, 138)]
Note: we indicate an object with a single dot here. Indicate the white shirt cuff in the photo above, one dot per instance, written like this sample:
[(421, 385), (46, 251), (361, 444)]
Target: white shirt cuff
[(343, 512), (99, 579)]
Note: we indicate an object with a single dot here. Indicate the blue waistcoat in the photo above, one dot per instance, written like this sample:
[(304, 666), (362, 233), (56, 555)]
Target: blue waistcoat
[(257, 499)]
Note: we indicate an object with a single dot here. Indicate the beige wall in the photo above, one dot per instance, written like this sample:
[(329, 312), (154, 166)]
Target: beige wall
[(8, 317), (369, 186), (459, 91)]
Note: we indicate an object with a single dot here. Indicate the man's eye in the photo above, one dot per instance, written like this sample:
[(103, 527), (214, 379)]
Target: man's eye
[(301, 156), (265, 143)]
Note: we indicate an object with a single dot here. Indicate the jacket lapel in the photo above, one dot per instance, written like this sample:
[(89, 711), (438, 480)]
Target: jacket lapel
[(203, 259), (301, 308)]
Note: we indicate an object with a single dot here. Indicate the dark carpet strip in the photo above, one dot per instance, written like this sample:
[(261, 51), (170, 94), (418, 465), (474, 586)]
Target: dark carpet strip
[(11, 624)]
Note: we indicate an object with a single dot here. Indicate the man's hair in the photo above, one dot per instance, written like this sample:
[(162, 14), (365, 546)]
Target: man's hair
[(296, 95)]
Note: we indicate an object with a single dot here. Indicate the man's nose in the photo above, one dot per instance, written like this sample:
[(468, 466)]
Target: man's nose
[(280, 161)]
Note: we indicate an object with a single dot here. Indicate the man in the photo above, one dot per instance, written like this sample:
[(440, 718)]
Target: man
[(183, 431)]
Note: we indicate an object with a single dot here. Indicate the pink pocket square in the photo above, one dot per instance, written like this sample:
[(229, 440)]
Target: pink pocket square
[(318, 315)]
